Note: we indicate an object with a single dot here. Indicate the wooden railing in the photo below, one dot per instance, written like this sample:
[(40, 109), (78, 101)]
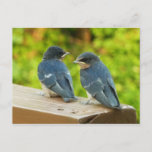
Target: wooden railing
[(31, 108)]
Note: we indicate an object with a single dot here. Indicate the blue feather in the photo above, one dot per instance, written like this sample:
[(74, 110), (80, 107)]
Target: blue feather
[(98, 82), (56, 77)]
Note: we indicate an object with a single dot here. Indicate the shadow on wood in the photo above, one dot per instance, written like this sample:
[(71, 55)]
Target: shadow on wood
[(31, 108)]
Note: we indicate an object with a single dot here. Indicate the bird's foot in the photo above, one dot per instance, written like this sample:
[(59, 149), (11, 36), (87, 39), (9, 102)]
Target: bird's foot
[(75, 99), (67, 100), (70, 99), (41, 93), (54, 95), (85, 102)]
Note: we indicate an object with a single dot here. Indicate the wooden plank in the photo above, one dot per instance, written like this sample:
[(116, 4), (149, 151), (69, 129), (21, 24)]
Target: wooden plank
[(27, 116), (29, 107)]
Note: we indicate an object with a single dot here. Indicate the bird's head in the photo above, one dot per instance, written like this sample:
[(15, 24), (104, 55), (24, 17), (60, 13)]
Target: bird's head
[(55, 52), (86, 59)]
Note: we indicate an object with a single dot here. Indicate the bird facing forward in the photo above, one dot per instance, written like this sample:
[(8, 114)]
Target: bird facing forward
[(54, 75), (97, 80)]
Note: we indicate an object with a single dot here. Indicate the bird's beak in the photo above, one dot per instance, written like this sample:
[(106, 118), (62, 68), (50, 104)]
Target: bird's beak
[(83, 65), (76, 61), (65, 54)]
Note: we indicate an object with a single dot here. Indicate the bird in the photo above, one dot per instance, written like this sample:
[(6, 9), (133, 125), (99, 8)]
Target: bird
[(97, 80), (55, 76)]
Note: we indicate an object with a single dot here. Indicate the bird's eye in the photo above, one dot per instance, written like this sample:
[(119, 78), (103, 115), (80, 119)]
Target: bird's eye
[(84, 60), (61, 53)]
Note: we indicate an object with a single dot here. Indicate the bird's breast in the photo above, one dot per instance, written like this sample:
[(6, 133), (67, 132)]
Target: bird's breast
[(48, 92)]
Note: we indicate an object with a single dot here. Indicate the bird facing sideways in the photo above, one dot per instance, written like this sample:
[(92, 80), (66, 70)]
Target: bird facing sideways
[(97, 80), (54, 75)]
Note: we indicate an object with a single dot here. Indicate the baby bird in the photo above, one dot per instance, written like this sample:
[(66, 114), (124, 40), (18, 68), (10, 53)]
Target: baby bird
[(54, 75), (96, 79)]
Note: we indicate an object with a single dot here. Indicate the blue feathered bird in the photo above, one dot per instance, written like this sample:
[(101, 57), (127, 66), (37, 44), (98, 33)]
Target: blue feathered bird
[(54, 75), (97, 80)]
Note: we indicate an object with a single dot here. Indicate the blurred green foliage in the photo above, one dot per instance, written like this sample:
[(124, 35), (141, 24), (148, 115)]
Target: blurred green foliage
[(118, 48)]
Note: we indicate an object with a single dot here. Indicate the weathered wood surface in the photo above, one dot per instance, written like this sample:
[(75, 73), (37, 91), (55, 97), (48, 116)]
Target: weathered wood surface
[(31, 108)]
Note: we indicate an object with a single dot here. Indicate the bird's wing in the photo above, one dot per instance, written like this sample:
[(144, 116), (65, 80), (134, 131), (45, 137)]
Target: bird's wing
[(69, 80), (112, 86), (46, 76), (92, 87), (59, 82), (49, 79), (96, 89), (66, 82)]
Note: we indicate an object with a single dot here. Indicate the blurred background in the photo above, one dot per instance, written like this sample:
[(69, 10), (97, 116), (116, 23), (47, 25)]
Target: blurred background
[(118, 48)]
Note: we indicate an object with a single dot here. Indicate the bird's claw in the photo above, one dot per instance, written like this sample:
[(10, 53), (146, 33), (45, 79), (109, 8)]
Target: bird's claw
[(41, 93), (85, 102)]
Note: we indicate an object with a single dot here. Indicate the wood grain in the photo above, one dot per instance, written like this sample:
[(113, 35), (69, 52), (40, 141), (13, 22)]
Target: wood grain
[(29, 107)]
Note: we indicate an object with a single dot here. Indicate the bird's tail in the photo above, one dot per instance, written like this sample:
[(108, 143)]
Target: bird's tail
[(118, 107)]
